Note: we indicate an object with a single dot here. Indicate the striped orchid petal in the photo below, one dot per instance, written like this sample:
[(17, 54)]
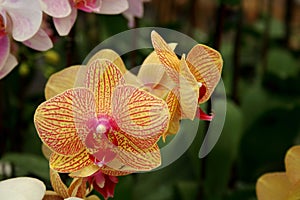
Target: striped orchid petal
[(57, 184), (68, 164), (188, 91), (55, 120), (139, 113), (166, 56), (205, 64), (102, 77), (130, 157)]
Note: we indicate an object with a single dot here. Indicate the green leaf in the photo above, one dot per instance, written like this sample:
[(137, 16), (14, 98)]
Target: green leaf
[(28, 164)]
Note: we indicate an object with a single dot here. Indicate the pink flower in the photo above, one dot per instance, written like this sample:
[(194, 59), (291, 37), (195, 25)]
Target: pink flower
[(135, 9), (23, 23), (64, 12)]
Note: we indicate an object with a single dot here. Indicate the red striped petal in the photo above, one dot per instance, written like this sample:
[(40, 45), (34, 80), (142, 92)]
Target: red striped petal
[(166, 56), (69, 164), (205, 64), (139, 113), (55, 120), (102, 78)]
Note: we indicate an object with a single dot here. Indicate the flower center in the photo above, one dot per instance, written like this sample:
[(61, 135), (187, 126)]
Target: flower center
[(101, 141)]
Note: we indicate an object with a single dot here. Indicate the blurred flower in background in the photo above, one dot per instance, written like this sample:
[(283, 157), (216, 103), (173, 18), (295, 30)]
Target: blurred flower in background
[(282, 185), (64, 12), (23, 24)]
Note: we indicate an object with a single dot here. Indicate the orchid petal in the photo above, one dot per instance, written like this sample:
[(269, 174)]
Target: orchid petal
[(65, 24), (294, 192), (273, 186), (111, 56), (86, 171), (166, 56), (73, 198), (25, 21), (40, 41), (132, 158), (173, 126), (292, 164), (22, 188), (102, 78), (57, 9), (112, 7), (11, 63), (59, 187), (68, 164), (7, 60), (77, 187), (139, 113), (55, 120), (188, 91), (205, 64), (61, 81), (4, 50)]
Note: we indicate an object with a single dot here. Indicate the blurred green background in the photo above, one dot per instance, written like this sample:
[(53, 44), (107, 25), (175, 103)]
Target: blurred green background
[(260, 44)]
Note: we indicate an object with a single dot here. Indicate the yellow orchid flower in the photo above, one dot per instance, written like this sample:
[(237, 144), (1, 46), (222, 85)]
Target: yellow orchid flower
[(104, 125), (282, 185), (185, 83)]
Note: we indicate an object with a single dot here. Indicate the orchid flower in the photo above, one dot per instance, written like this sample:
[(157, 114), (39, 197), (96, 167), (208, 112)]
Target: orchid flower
[(282, 185), (64, 12), (23, 23), (194, 76), (22, 188), (135, 9), (102, 125)]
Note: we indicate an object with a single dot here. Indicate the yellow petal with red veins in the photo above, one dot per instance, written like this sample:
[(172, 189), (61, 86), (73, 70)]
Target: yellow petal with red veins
[(78, 188), (61, 81), (173, 126), (111, 56), (86, 171), (102, 77), (139, 113), (69, 164), (292, 164), (166, 56), (273, 186), (205, 64), (132, 158), (55, 120), (59, 187), (113, 172), (188, 91)]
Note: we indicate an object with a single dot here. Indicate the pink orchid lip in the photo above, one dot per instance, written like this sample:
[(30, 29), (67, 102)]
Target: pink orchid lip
[(102, 139)]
